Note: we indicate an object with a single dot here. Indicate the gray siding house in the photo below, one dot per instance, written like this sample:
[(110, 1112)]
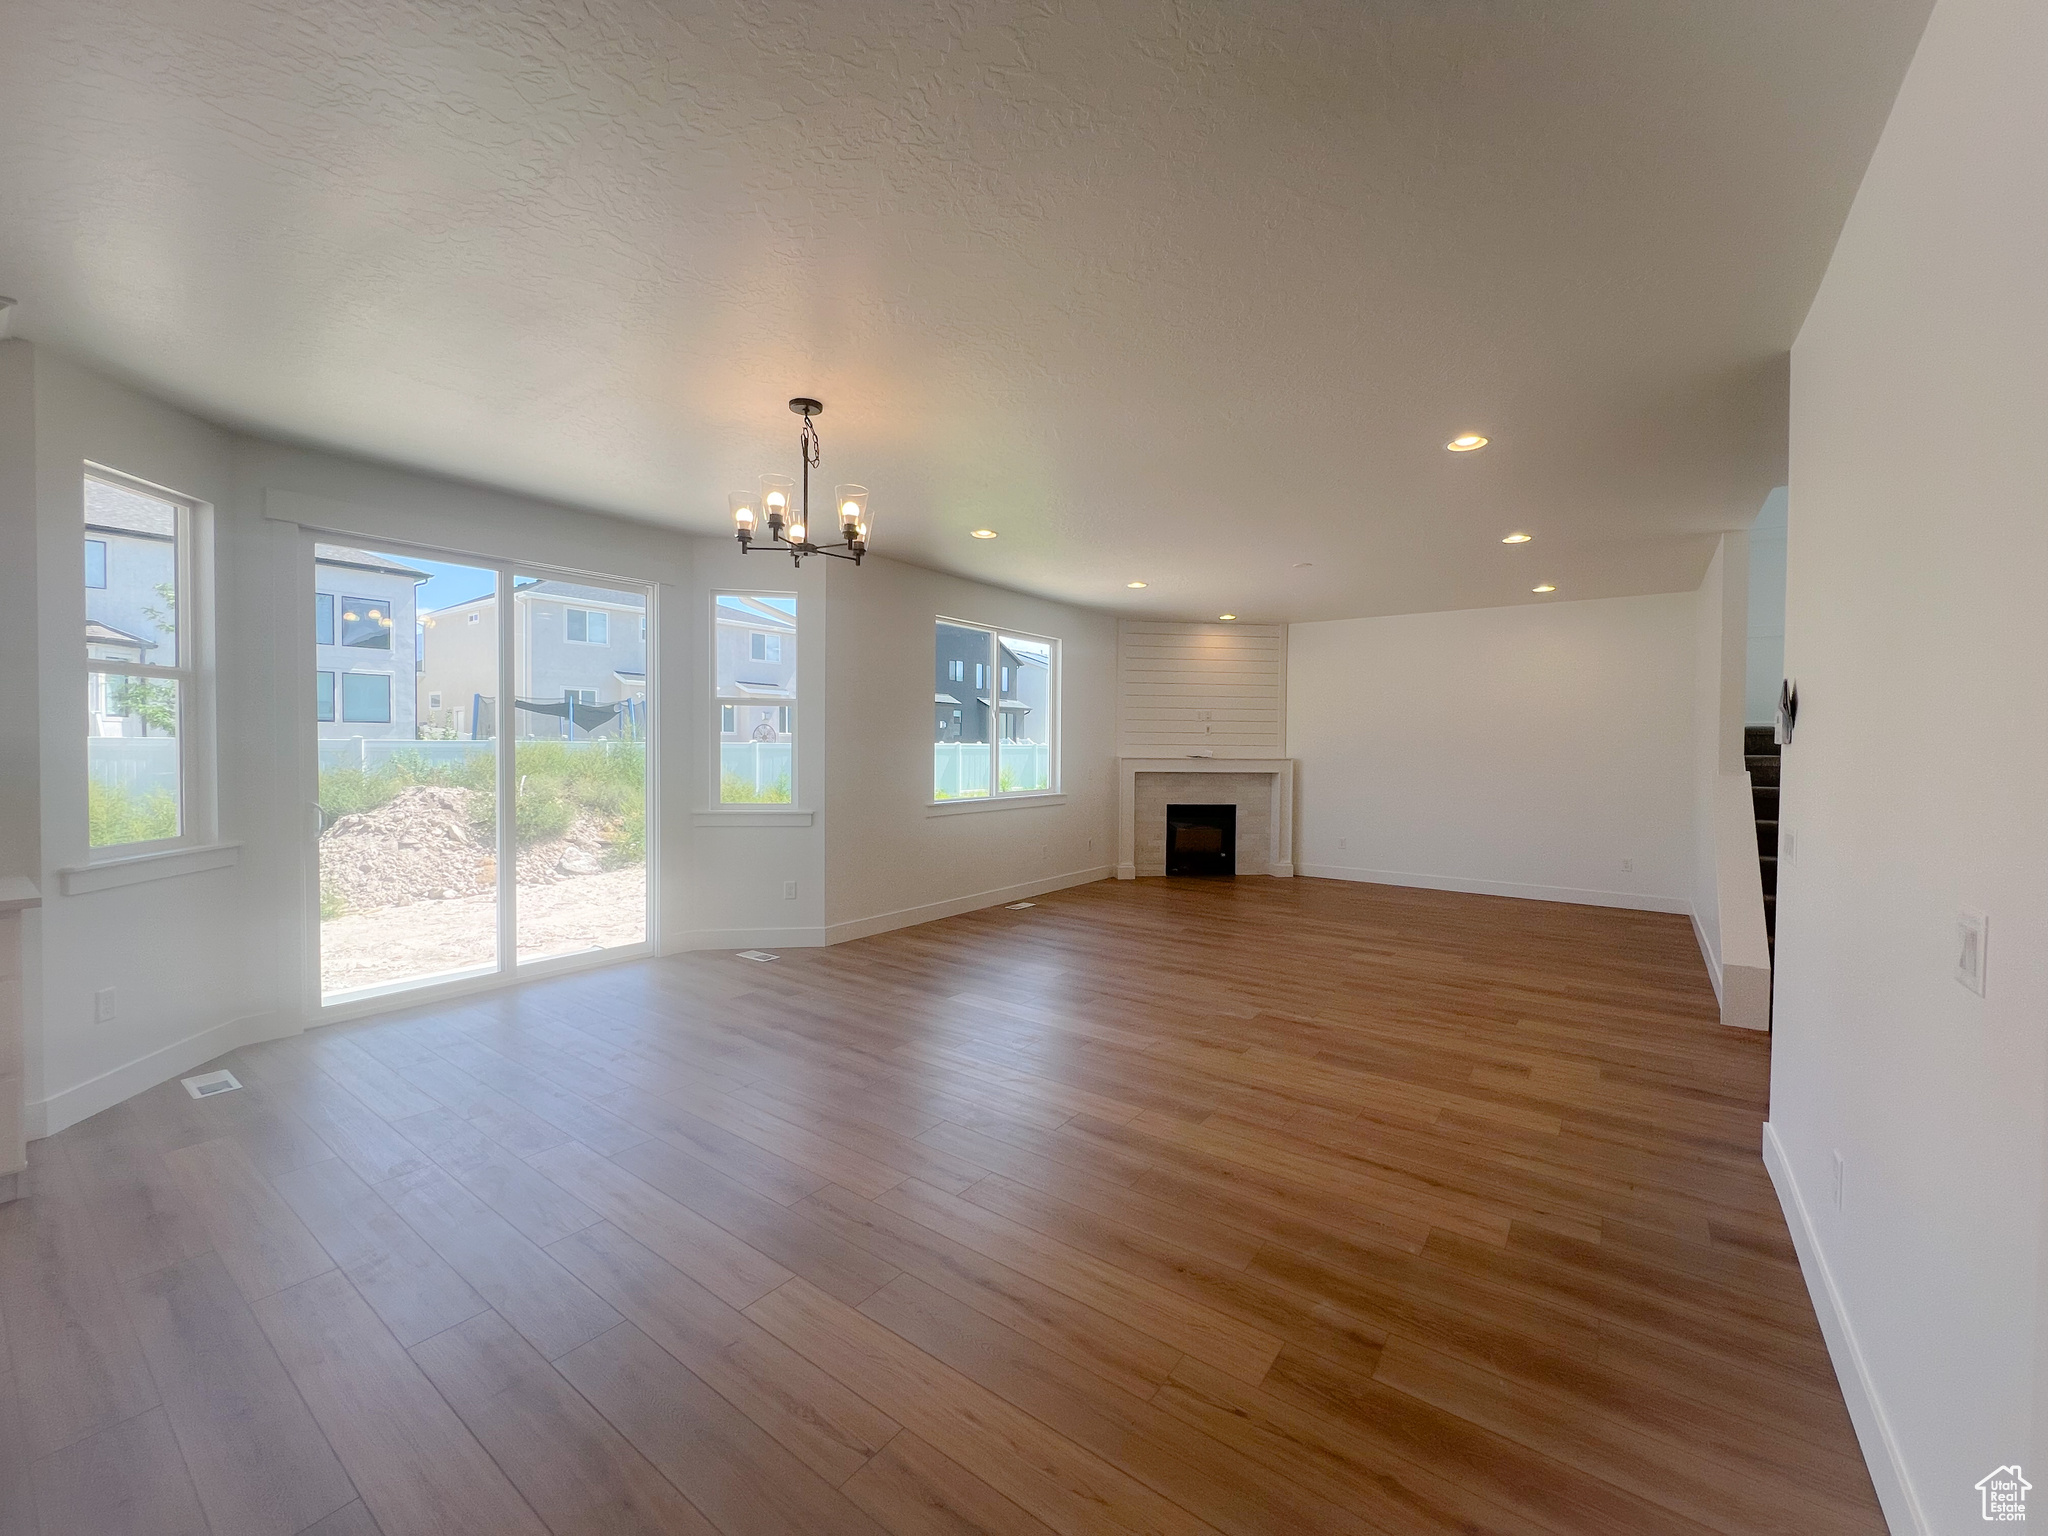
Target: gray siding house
[(366, 635), (581, 651)]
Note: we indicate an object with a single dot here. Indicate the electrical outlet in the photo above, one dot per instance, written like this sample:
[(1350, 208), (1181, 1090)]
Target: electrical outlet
[(1838, 1181), (1788, 844), (1343, 842), (1972, 935), (789, 890), (1204, 714), (103, 1006), (1628, 866)]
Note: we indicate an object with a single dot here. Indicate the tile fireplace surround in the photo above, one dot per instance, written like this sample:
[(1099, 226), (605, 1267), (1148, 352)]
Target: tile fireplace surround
[(1265, 819)]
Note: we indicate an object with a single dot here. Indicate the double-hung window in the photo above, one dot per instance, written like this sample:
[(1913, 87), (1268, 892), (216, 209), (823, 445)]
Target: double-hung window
[(586, 626), (756, 690), (991, 742), (139, 659)]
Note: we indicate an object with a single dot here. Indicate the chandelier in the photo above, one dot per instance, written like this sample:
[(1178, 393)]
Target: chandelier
[(789, 522)]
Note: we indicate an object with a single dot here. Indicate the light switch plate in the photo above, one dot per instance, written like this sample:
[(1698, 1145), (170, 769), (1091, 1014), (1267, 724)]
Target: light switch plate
[(1972, 937)]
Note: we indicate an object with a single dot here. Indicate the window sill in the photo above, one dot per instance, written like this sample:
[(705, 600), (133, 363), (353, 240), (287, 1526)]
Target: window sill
[(750, 816), (136, 868), (992, 803)]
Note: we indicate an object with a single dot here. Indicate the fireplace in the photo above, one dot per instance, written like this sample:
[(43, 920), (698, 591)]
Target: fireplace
[(1201, 839)]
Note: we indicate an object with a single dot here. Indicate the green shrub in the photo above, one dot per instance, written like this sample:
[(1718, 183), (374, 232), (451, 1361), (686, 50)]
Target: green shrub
[(626, 842), (332, 903), (541, 814), (115, 815), (738, 789), (350, 791)]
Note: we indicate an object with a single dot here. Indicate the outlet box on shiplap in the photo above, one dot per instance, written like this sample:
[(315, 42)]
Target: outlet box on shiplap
[(1185, 688)]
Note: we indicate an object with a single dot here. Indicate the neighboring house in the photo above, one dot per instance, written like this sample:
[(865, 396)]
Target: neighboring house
[(964, 693), (366, 632), (131, 577), (583, 648), (756, 668)]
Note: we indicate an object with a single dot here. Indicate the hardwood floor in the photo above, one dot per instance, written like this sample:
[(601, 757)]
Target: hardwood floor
[(1256, 1207)]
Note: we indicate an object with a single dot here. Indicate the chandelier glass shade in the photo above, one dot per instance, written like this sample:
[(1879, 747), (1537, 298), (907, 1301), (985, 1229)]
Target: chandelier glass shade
[(779, 518)]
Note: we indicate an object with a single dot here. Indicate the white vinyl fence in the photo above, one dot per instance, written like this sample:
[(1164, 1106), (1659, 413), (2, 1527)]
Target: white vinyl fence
[(765, 765), (960, 768), (141, 765)]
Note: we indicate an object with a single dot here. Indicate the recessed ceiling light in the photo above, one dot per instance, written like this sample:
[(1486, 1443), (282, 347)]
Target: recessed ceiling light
[(1134, 585), (1226, 617), (1518, 538), (1465, 442), (984, 533), (1546, 587)]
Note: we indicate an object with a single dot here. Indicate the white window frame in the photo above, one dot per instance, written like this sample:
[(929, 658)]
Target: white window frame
[(193, 617), (762, 811), (1054, 684)]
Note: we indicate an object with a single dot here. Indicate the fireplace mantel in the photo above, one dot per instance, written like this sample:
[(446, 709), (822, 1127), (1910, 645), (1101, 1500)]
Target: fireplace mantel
[(1280, 770)]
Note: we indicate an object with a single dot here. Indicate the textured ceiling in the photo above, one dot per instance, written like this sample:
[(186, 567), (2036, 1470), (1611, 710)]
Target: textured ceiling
[(1179, 292)]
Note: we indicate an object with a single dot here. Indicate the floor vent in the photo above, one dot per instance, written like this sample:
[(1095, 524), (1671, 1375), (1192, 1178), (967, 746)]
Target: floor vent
[(757, 954), (1019, 906), (207, 1084)]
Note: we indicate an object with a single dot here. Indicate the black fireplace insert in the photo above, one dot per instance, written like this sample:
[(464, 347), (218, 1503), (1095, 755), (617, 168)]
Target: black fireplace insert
[(1201, 839)]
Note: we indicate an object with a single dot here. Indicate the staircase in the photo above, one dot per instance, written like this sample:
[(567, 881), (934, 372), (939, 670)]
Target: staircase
[(1760, 756)]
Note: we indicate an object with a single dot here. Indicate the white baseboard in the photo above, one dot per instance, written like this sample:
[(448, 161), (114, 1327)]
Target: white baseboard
[(1636, 900), (908, 917), (811, 936), (1707, 953), (1895, 1493), (48, 1116)]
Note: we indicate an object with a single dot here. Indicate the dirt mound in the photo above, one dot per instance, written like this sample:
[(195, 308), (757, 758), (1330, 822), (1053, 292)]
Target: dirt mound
[(417, 847), (422, 845)]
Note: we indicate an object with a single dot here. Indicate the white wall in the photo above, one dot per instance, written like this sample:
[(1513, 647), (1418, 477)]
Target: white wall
[(1916, 626), (1523, 751), (891, 856), (1765, 663)]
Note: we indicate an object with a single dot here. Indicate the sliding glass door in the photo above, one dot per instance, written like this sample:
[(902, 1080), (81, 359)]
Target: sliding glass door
[(442, 855)]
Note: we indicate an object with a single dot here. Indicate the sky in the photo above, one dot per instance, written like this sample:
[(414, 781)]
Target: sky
[(449, 584)]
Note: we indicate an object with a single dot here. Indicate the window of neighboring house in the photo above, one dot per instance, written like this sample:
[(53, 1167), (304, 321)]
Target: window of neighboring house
[(986, 747), (141, 683), (643, 629), (323, 695), (756, 710), (323, 618), (583, 695), (366, 624), (433, 701), (366, 697), (587, 627), (476, 618)]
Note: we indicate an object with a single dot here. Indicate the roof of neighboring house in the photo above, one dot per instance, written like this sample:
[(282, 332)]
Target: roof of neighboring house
[(97, 633), (111, 508), (578, 592), (756, 613), (365, 560), (944, 698)]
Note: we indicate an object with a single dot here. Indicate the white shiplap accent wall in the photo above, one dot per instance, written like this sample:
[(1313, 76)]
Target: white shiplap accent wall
[(1167, 674)]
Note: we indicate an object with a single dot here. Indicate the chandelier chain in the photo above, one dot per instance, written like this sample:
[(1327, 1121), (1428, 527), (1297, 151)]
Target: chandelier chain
[(808, 442)]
